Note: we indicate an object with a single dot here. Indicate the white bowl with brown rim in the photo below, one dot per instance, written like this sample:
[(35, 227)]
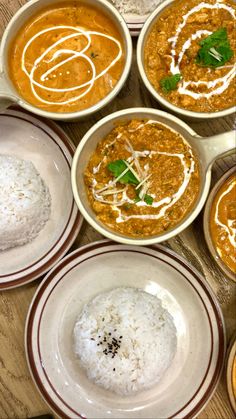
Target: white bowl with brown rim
[(231, 371), (8, 92), (206, 224), (207, 150), (182, 112), (99, 267)]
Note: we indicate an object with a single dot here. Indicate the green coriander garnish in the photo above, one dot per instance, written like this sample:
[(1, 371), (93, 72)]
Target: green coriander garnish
[(122, 173), (215, 50), (170, 82), (118, 167), (148, 199)]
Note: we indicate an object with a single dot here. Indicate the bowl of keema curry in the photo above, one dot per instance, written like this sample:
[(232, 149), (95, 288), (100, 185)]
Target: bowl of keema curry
[(140, 176), (186, 57), (220, 223), (64, 59)]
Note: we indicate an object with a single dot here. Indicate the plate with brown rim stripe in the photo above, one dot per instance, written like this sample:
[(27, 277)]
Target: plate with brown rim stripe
[(194, 373), (43, 143)]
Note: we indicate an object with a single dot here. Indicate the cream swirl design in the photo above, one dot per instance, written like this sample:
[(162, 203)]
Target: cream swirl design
[(72, 55), (229, 226), (215, 87), (164, 203)]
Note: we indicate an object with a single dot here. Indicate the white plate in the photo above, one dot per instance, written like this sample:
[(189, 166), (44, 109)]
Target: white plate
[(194, 373), (51, 151)]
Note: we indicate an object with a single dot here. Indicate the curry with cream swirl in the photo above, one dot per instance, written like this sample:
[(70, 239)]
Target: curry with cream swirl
[(190, 54), (67, 57), (143, 179)]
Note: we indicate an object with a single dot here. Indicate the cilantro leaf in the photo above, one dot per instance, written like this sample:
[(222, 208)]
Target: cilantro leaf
[(148, 199), (215, 50), (170, 82), (216, 37), (117, 168)]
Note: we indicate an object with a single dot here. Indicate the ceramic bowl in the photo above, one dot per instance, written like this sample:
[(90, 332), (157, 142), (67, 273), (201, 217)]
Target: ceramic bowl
[(206, 149), (8, 93), (99, 267), (231, 372), (50, 150), (183, 113), (206, 224)]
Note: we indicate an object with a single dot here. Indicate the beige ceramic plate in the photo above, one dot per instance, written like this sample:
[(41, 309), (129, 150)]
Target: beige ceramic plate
[(47, 146), (195, 371), (206, 224), (231, 372)]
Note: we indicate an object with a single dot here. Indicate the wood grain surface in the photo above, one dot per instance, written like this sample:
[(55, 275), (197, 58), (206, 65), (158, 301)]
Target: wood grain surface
[(18, 395)]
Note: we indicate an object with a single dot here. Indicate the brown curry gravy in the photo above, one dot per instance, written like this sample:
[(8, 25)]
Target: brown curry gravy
[(155, 144), (157, 54), (75, 72), (223, 223)]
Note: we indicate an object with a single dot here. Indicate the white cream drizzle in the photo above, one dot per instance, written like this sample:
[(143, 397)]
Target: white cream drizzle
[(72, 54), (166, 202), (219, 85), (228, 228)]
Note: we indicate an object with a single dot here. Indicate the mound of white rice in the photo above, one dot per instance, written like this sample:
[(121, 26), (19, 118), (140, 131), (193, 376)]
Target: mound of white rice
[(25, 202), (136, 7), (125, 340)]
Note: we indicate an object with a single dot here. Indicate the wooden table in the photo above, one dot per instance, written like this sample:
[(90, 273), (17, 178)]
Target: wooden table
[(18, 395)]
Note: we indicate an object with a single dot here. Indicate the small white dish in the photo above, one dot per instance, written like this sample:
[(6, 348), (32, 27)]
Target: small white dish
[(231, 372), (135, 23), (50, 150), (196, 368)]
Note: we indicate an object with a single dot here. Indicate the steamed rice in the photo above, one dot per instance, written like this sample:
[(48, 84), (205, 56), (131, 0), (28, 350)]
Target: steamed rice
[(136, 7), (125, 340), (25, 202)]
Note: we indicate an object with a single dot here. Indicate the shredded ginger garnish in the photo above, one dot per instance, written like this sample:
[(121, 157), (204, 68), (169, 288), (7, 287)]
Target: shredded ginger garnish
[(120, 196)]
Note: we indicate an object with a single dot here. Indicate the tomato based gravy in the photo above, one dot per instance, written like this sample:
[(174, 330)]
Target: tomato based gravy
[(223, 223), (190, 54), (67, 57), (143, 179)]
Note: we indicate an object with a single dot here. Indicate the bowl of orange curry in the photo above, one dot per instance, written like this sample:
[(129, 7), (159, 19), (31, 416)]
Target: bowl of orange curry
[(140, 176), (65, 59), (220, 223), (186, 57)]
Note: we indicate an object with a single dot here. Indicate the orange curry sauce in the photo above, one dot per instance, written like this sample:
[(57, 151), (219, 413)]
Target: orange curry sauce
[(223, 223), (67, 57)]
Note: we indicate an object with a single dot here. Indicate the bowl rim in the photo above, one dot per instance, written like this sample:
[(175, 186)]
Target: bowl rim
[(66, 116), (165, 103), (112, 235), (230, 360), (206, 225)]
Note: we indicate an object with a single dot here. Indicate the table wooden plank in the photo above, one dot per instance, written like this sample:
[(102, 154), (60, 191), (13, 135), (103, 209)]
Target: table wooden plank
[(18, 395)]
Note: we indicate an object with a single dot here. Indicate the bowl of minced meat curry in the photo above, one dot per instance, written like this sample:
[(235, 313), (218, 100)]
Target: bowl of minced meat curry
[(140, 176), (187, 57), (220, 223)]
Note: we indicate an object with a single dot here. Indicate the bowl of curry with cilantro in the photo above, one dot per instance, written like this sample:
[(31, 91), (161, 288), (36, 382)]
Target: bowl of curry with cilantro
[(187, 57), (141, 176)]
